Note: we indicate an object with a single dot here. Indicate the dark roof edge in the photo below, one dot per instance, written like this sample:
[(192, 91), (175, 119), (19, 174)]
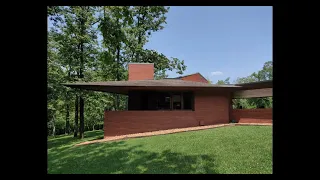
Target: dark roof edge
[(259, 82), (121, 85), (171, 78)]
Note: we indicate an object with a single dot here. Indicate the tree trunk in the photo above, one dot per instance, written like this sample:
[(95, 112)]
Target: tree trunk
[(81, 76), (67, 114), (54, 131), (68, 119), (67, 100), (118, 75), (93, 128), (139, 38), (54, 128), (81, 118), (76, 117), (140, 34)]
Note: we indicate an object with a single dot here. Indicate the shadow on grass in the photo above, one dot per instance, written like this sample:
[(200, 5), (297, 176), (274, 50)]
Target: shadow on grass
[(119, 158), (69, 140)]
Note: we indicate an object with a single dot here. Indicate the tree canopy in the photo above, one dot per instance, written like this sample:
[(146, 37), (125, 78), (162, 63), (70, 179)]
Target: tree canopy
[(266, 73), (96, 44), (76, 53)]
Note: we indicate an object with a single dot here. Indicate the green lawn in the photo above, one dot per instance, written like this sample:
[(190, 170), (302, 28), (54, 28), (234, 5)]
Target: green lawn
[(225, 150)]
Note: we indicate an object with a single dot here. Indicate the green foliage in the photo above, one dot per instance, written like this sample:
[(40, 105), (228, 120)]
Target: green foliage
[(73, 49), (145, 21), (55, 14), (226, 81), (225, 150), (54, 10), (251, 103)]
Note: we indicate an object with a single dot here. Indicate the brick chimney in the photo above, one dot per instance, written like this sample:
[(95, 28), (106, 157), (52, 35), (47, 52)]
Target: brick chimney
[(141, 71)]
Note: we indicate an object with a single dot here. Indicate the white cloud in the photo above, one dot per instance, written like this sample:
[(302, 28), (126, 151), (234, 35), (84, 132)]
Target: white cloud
[(216, 73)]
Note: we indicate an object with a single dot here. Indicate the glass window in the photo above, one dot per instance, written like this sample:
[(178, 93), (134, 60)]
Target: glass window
[(164, 100), (176, 101), (188, 101)]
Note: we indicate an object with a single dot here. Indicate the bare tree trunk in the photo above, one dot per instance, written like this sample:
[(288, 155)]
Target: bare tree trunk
[(81, 76), (118, 76), (81, 118), (76, 117), (68, 106), (140, 34), (54, 127), (54, 131), (68, 119), (68, 116)]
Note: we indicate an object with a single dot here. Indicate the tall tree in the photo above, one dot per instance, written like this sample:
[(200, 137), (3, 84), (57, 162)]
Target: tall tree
[(125, 31), (146, 20), (54, 89), (113, 22), (73, 57), (76, 115), (84, 20), (77, 39), (62, 35)]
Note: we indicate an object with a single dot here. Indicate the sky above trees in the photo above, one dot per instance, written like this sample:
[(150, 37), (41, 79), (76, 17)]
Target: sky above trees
[(218, 42)]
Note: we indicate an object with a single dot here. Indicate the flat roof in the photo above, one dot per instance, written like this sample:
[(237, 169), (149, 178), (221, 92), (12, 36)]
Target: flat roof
[(123, 87), (256, 85)]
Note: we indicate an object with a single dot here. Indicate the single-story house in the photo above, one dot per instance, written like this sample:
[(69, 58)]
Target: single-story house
[(180, 102)]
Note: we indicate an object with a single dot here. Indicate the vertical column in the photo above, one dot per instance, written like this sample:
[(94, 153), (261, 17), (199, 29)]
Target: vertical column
[(105, 121), (230, 108)]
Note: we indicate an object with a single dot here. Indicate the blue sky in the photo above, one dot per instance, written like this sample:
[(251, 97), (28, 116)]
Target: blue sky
[(217, 41)]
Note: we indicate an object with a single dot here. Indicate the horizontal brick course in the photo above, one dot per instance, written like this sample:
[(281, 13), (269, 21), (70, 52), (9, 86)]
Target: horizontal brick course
[(127, 122), (141, 71), (210, 108), (252, 115)]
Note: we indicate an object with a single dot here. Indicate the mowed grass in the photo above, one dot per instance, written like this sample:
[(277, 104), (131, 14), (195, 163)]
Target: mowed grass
[(224, 150)]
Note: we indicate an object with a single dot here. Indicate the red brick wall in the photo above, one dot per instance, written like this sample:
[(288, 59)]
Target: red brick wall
[(195, 77), (252, 115), (140, 71), (128, 122), (212, 109)]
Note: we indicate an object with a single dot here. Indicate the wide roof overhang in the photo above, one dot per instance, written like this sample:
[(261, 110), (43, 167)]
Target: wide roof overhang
[(256, 85), (123, 87)]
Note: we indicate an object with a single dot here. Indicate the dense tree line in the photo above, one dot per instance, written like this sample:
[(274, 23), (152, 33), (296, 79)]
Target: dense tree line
[(75, 54), (252, 103)]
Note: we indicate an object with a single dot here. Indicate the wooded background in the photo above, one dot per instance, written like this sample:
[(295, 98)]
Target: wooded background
[(75, 54)]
